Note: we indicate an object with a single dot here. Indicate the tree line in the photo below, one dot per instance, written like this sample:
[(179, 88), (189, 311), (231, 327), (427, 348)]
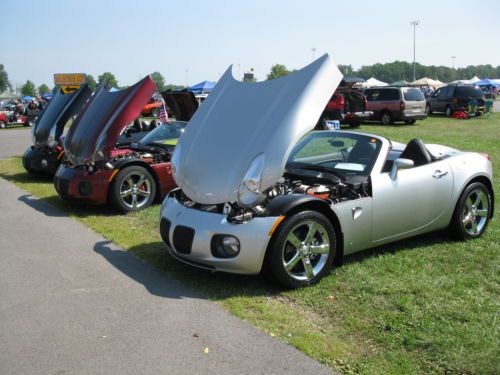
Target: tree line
[(108, 78)]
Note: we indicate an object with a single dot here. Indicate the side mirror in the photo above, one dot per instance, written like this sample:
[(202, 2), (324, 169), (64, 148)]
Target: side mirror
[(400, 163)]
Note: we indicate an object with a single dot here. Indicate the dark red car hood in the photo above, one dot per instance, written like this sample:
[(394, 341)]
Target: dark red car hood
[(182, 104), (97, 128), (50, 123)]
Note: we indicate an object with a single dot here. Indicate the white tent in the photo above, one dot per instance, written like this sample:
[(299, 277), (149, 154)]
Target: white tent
[(468, 81), (372, 82), (427, 82)]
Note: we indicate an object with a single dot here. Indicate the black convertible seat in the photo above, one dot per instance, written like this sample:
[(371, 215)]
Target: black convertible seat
[(362, 152), (415, 150)]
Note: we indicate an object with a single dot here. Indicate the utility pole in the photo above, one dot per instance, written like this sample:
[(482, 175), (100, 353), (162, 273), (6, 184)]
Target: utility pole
[(313, 49), (414, 24), (187, 78), (453, 61)]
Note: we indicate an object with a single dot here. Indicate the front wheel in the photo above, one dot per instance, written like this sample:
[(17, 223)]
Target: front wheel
[(3, 125), (133, 189), (472, 213), (302, 249)]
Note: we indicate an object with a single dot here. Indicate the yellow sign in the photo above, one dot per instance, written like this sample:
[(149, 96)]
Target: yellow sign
[(69, 89), (70, 78)]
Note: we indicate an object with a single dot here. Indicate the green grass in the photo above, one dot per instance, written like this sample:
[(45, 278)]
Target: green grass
[(427, 305)]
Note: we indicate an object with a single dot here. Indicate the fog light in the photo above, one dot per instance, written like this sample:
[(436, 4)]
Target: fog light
[(231, 245), (84, 188), (224, 246)]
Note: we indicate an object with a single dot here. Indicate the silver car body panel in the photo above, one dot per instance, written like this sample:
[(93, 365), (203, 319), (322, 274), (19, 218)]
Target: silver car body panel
[(239, 121)]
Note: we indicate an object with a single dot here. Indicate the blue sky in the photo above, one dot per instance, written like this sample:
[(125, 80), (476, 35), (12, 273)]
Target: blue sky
[(134, 38)]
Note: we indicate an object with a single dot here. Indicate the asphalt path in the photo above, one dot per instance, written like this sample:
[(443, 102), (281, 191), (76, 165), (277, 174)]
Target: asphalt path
[(72, 302), (14, 141)]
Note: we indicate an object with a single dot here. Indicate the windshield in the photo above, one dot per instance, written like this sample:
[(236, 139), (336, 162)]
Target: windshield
[(167, 134), (340, 153)]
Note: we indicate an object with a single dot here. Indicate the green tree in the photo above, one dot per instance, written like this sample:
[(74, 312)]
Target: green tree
[(108, 79), (159, 81), (43, 89), (28, 88), (91, 82), (4, 80), (346, 70), (277, 70)]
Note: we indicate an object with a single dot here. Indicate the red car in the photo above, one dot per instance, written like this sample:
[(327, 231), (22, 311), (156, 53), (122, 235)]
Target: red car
[(129, 177), (46, 153), (346, 105)]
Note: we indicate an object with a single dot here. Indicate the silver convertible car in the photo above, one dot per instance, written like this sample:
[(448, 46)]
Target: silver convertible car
[(257, 190)]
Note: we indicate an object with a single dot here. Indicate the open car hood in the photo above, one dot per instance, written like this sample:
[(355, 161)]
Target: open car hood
[(240, 121), (182, 104), (50, 123), (97, 128)]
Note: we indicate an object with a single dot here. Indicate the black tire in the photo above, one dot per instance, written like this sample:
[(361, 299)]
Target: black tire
[(410, 122), (448, 111), (386, 118), (3, 125), (280, 247), (460, 227), (123, 203)]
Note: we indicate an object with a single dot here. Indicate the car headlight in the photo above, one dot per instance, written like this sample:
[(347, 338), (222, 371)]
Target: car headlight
[(249, 190), (174, 162)]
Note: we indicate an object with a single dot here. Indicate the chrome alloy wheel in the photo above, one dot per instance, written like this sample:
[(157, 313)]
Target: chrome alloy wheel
[(306, 250), (135, 190), (475, 212)]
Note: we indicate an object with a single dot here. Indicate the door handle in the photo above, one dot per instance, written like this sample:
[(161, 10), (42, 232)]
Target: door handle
[(439, 174)]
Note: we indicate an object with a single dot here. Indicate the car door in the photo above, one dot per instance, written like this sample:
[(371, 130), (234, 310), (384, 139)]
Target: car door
[(412, 203)]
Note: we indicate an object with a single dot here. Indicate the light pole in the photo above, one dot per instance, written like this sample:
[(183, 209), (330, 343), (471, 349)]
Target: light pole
[(187, 77), (313, 49), (453, 61), (414, 24)]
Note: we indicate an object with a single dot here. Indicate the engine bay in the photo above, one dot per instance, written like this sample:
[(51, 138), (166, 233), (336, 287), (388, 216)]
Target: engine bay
[(332, 191)]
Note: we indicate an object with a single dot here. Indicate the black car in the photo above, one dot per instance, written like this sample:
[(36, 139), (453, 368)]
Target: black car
[(454, 98)]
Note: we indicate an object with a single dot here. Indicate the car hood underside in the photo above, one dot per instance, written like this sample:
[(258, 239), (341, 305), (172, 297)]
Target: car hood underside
[(240, 121)]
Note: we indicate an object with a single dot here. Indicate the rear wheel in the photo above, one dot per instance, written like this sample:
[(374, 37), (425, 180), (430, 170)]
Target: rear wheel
[(472, 213), (3, 125), (448, 111), (386, 118), (302, 249), (133, 189)]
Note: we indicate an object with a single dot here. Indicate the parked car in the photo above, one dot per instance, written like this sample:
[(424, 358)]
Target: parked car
[(128, 177), (251, 198), (347, 106), (152, 107), (453, 98), (46, 153), (391, 104)]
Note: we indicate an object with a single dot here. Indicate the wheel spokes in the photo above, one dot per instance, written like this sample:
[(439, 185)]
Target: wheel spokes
[(308, 268), (482, 213), (293, 239), (134, 200), (125, 193), (320, 249), (293, 262), (479, 198), (313, 228)]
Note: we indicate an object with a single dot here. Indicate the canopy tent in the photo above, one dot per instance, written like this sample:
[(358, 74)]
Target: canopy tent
[(399, 83), (27, 98), (371, 82), (202, 87), (48, 96), (7, 95), (467, 81), (487, 82), (427, 82)]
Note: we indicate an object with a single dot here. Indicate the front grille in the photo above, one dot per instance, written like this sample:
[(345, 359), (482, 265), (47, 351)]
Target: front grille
[(183, 239), (165, 230)]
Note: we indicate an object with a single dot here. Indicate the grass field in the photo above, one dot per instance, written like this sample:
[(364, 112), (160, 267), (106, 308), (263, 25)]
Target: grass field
[(427, 305)]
